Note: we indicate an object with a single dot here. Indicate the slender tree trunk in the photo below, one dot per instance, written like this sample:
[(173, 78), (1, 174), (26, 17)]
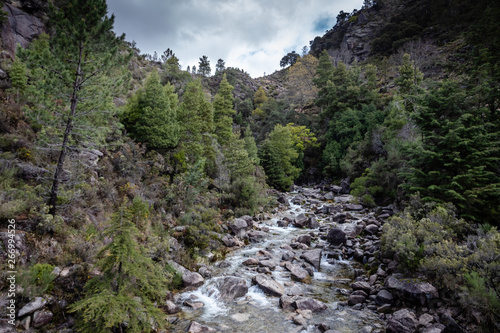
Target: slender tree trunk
[(69, 128)]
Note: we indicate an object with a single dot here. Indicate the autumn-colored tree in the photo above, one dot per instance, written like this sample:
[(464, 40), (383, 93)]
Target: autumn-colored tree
[(300, 77)]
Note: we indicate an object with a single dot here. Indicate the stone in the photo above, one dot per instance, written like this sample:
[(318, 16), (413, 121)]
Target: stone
[(313, 223), (238, 227), (411, 289), (384, 297), (269, 285), (340, 217), (300, 221), (34, 305), (229, 241), (436, 328), (329, 196), (256, 236), (287, 256), (170, 307), (240, 317), (298, 199), (361, 285), (295, 290), (354, 207), (194, 304), (304, 239), (29, 171), (251, 262), (299, 320), (205, 272), (309, 304), (196, 327), (233, 287), (283, 224), (313, 257), (450, 323), (336, 236), (42, 318), (286, 303), (299, 274), (271, 264), (425, 319), (402, 321), (372, 229), (356, 299), (282, 199), (192, 279)]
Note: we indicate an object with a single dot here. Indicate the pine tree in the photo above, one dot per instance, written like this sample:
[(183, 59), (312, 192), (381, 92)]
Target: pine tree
[(75, 62), (151, 115), (223, 111), (458, 158), (123, 297), (196, 117), (204, 66), (18, 77)]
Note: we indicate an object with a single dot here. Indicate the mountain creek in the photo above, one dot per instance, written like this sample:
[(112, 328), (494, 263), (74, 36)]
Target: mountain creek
[(297, 273)]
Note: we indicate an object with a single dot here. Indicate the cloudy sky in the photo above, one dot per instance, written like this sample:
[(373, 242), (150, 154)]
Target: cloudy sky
[(249, 34)]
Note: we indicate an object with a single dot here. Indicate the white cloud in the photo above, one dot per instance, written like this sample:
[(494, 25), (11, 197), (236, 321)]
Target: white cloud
[(249, 34)]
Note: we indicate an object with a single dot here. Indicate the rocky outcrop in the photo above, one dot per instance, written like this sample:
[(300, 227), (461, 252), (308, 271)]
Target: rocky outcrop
[(21, 28), (402, 321), (411, 290)]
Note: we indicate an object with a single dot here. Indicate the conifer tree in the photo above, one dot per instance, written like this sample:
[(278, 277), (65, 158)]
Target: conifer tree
[(151, 115), (75, 62), (204, 66), (196, 117), (458, 158), (223, 111), (18, 77), (122, 298)]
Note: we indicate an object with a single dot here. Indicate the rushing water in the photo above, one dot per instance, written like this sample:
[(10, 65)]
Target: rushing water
[(257, 312)]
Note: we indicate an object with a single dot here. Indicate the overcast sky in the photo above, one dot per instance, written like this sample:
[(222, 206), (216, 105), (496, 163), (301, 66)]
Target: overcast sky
[(249, 34)]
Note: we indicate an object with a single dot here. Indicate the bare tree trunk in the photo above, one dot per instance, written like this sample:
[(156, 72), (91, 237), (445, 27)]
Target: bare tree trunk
[(69, 128)]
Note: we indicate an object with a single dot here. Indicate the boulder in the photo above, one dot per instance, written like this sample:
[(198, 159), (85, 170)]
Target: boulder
[(298, 319), (282, 199), (298, 199), (300, 221), (372, 229), (251, 262), (336, 236), (354, 207), (313, 257), (192, 279), (304, 239), (170, 307), (329, 196), (361, 285), (269, 263), (384, 297), (299, 274), (309, 304), (402, 321), (356, 299), (411, 289), (194, 304), (29, 171), (196, 327), (233, 287), (42, 318), (286, 303), (268, 285), (34, 305), (229, 241), (238, 227), (313, 223)]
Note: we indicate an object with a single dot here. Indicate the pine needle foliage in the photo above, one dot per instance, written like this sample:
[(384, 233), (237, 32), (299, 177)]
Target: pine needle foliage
[(123, 298)]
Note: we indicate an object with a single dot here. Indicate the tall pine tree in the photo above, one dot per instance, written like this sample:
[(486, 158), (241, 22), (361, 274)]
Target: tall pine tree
[(223, 111), (83, 50)]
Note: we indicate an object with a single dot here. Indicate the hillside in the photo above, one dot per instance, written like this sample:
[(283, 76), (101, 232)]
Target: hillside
[(125, 181)]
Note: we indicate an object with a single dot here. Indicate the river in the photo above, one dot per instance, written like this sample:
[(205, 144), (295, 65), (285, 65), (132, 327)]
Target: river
[(258, 312)]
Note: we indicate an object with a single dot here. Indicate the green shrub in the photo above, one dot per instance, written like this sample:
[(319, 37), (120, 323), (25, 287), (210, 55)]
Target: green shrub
[(37, 280), (176, 280)]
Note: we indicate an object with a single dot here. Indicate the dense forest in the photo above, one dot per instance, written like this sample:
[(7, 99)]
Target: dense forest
[(116, 164)]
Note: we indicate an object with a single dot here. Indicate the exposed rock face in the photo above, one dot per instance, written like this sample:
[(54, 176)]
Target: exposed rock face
[(20, 28)]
